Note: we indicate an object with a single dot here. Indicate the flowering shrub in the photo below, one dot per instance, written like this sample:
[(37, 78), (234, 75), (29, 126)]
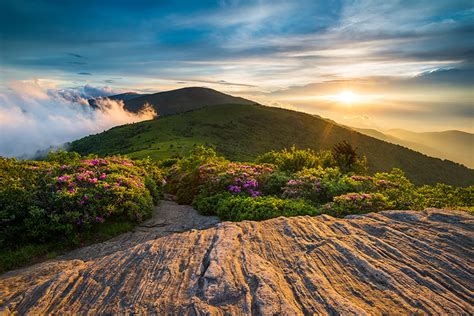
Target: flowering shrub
[(304, 186), (399, 191), (204, 174), (356, 203), (360, 183), (186, 175), (317, 185), (243, 178), (61, 202)]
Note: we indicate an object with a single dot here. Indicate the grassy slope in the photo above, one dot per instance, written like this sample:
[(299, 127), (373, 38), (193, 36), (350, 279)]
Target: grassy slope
[(241, 132)]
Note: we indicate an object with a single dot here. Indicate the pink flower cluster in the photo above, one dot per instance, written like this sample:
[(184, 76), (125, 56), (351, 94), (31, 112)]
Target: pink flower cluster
[(95, 162), (238, 177), (64, 178), (244, 178), (361, 178), (300, 187), (356, 196)]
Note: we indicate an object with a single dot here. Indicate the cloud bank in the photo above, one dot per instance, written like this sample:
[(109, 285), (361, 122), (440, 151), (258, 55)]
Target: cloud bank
[(33, 118)]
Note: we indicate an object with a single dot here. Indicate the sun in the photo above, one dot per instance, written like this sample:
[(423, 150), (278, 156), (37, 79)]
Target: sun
[(347, 97)]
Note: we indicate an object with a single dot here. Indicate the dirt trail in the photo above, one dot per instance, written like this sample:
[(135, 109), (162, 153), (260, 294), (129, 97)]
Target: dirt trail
[(168, 218), (392, 262)]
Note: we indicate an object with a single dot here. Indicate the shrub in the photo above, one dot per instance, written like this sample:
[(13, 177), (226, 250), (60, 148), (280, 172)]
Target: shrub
[(240, 178), (185, 177), (342, 156), (63, 157), (239, 207), (317, 185), (44, 202), (356, 203), (204, 173), (292, 160), (399, 191), (444, 196), (207, 205), (274, 183)]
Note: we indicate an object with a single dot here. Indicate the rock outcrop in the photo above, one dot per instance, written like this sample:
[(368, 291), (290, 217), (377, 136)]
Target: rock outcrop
[(392, 262)]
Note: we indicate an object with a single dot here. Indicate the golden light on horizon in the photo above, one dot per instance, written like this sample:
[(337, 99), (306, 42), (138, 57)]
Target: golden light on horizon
[(347, 97)]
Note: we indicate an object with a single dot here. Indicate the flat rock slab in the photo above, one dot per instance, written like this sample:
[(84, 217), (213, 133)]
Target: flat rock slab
[(392, 262)]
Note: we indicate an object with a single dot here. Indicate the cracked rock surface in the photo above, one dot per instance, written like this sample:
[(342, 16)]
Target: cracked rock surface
[(392, 262)]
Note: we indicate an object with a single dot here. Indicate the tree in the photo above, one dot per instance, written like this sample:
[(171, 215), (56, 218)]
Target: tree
[(345, 156)]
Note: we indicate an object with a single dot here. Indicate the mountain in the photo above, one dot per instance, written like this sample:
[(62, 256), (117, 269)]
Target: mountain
[(392, 262), (126, 96), (242, 132), (457, 146), (123, 96), (182, 100)]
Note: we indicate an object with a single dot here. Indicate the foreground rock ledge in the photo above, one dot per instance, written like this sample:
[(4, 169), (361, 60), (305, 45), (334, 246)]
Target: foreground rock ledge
[(393, 262)]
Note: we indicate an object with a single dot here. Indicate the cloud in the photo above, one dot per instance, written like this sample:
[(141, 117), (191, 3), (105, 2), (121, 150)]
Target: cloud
[(270, 44), (33, 118), (219, 82), (76, 55), (84, 73)]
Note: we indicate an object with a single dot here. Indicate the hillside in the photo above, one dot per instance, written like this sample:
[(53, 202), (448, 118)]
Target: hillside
[(457, 146), (392, 262), (182, 100), (242, 132)]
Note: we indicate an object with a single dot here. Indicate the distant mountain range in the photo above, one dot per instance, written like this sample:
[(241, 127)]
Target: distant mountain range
[(457, 146), (240, 129)]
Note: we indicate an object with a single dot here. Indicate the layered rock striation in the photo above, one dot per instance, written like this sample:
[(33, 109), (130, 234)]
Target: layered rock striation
[(392, 262)]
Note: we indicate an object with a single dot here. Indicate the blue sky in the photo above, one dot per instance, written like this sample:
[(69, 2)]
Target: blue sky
[(405, 61)]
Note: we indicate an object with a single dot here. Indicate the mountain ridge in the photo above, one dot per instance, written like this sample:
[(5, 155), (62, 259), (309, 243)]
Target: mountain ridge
[(453, 145)]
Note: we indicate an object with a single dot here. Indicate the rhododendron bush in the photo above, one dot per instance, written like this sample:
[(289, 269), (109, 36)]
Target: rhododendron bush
[(356, 203), (60, 200)]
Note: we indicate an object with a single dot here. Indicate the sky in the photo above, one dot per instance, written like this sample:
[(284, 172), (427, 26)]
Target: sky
[(374, 64)]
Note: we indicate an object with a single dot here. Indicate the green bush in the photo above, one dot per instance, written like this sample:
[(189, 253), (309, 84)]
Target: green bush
[(399, 191), (292, 160), (237, 207), (207, 205), (274, 183), (356, 203), (342, 156), (444, 196)]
